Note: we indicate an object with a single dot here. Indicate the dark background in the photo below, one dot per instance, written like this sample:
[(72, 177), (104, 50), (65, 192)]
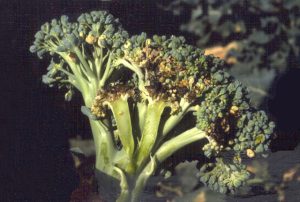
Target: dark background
[(35, 122)]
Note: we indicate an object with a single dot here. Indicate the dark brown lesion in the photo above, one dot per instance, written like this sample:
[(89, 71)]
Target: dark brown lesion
[(164, 76), (111, 93), (223, 130)]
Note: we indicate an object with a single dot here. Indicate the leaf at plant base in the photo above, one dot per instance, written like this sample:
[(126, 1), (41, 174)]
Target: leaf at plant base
[(186, 173)]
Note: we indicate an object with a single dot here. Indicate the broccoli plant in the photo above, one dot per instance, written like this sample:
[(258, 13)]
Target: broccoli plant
[(137, 92)]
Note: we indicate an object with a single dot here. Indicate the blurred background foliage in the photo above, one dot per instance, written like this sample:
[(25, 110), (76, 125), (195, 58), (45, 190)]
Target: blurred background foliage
[(265, 34)]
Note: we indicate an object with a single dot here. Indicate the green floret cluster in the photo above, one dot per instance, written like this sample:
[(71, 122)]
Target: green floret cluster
[(224, 177), (254, 132), (55, 36), (80, 48), (138, 90), (102, 29)]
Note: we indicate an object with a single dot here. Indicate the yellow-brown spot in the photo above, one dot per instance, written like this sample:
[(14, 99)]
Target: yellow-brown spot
[(102, 37), (220, 115), (72, 57), (237, 28), (127, 44), (225, 125), (230, 142), (238, 159), (162, 79), (250, 153), (148, 42), (206, 81), (184, 83), (201, 86), (233, 110), (259, 139), (90, 39), (191, 81), (98, 111)]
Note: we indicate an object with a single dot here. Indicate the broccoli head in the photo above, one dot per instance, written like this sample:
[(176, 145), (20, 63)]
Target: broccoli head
[(138, 90)]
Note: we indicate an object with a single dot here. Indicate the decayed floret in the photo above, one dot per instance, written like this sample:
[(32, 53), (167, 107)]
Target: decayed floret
[(168, 68)]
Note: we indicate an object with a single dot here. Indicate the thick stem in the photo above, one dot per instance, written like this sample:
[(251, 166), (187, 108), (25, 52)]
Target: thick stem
[(176, 143), (105, 148), (150, 130), (104, 144), (142, 179), (165, 151), (121, 114), (141, 109)]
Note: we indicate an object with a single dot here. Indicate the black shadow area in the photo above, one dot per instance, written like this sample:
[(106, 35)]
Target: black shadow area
[(284, 107)]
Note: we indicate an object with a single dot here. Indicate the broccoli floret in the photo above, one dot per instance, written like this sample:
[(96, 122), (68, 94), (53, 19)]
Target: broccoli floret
[(136, 92), (81, 48)]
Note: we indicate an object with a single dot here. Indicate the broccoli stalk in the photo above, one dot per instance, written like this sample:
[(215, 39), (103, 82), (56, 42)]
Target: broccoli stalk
[(137, 91)]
